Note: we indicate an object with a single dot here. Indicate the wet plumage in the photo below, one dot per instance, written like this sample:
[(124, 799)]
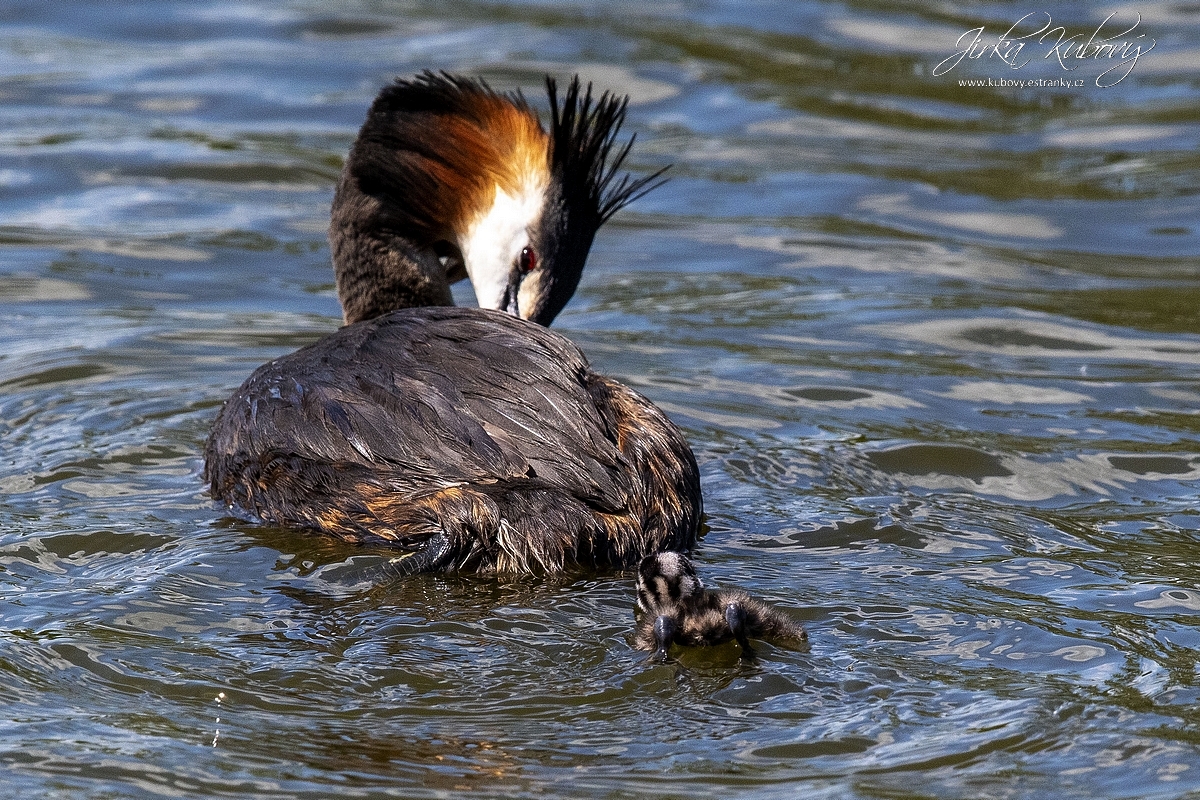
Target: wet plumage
[(677, 609), (469, 439)]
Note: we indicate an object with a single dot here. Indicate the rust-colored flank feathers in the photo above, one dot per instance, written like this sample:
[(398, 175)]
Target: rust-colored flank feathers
[(464, 438)]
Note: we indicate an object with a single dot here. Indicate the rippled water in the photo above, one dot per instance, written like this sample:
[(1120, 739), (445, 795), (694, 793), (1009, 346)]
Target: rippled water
[(935, 346)]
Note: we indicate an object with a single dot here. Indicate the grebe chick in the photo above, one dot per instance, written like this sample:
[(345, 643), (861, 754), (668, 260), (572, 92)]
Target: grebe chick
[(468, 439), (677, 609)]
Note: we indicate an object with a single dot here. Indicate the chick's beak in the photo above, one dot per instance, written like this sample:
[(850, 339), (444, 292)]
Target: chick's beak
[(665, 628)]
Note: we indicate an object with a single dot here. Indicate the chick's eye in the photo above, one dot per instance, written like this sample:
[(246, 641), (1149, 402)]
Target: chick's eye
[(527, 261)]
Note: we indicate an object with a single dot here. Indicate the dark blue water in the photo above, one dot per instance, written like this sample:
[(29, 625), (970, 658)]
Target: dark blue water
[(936, 347)]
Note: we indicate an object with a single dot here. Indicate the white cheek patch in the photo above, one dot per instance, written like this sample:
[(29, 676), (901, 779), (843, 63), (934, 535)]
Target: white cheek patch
[(494, 239)]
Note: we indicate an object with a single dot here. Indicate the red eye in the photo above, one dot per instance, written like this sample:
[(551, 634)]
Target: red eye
[(527, 260)]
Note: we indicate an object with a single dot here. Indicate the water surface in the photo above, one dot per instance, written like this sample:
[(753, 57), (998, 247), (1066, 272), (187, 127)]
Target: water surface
[(935, 346)]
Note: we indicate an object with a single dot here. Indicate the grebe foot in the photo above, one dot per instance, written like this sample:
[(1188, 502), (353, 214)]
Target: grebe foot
[(435, 555)]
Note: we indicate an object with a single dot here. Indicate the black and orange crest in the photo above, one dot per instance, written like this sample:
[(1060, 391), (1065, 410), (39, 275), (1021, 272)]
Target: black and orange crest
[(433, 149), (430, 141), (583, 134), (431, 161)]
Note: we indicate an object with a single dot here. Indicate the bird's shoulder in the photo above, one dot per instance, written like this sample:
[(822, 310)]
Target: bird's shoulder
[(457, 394)]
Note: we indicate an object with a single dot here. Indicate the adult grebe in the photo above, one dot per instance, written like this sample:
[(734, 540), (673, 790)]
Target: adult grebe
[(677, 609), (470, 439)]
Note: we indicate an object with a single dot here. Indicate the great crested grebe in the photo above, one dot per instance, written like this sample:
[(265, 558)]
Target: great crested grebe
[(469, 439), (677, 609)]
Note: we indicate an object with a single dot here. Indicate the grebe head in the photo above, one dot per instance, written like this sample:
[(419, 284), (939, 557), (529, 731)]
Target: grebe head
[(666, 582), (449, 179)]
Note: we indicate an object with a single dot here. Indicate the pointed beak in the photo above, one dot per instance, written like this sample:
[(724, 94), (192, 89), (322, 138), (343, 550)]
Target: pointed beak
[(665, 629), (510, 303)]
